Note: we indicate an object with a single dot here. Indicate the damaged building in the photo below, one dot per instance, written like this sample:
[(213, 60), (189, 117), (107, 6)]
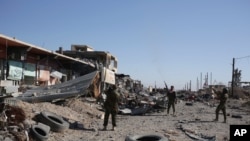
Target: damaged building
[(24, 66), (105, 62), (126, 82)]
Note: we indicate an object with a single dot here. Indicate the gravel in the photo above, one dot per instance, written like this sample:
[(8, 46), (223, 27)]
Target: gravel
[(86, 121)]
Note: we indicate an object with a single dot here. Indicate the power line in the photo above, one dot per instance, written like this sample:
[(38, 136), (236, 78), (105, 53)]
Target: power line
[(243, 57)]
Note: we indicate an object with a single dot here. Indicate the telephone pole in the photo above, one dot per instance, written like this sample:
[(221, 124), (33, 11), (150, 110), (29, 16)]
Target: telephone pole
[(232, 84), (201, 81), (190, 86)]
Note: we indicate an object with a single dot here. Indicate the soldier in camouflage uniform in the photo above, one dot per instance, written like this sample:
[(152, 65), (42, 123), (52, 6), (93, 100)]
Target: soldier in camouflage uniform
[(111, 106), (171, 100), (222, 105)]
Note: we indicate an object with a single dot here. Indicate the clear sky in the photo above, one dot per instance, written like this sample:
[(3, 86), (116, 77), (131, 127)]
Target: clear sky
[(154, 40)]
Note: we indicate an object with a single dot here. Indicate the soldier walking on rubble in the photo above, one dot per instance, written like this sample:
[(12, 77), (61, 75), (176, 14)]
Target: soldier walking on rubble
[(223, 96), (111, 106), (171, 94)]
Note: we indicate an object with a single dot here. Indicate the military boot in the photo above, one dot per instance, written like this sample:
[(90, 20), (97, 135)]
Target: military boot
[(225, 120), (104, 128), (174, 115), (217, 117)]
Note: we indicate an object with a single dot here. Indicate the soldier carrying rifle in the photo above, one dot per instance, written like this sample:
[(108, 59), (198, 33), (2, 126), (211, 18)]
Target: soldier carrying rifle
[(171, 94)]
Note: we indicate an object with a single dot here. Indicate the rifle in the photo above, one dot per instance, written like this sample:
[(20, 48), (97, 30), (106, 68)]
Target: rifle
[(166, 86)]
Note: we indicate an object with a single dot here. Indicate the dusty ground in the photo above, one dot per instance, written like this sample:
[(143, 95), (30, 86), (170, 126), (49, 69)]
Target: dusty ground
[(86, 122)]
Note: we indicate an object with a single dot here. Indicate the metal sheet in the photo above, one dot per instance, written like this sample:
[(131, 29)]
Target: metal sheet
[(56, 74), (64, 90), (108, 76)]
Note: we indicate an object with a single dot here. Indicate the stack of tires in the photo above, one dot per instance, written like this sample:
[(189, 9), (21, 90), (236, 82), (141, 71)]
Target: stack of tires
[(50, 121)]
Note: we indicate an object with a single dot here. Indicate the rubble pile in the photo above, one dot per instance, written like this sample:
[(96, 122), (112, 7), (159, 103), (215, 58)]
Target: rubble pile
[(54, 108), (18, 120), (82, 113), (12, 123), (246, 104), (241, 93)]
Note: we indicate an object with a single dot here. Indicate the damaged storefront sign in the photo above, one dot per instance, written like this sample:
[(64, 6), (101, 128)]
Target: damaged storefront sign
[(15, 70), (30, 69)]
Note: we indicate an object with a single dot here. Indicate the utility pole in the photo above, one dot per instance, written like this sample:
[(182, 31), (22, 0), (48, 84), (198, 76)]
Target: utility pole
[(197, 84), (211, 78), (207, 79), (201, 82), (190, 86), (155, 86), (232, 84)]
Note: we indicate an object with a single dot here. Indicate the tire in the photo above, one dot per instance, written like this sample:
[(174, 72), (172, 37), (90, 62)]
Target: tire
[(236, 116), (39, 133), (55, 122), (189, 104), (146, 138)]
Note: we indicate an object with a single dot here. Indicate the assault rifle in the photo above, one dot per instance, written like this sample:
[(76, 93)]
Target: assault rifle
[(166, 87)]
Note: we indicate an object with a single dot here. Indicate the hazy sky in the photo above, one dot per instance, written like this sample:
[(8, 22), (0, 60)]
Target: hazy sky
[(154, 40)]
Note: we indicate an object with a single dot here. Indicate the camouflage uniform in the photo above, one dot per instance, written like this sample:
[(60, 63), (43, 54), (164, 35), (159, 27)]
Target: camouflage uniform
[(111, 107), (222, 105), (171, 100)]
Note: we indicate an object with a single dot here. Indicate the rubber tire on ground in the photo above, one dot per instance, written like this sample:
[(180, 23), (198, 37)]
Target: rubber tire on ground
[(189, 104), (146, 138), (236, 116), (39, 133), (55, 122)]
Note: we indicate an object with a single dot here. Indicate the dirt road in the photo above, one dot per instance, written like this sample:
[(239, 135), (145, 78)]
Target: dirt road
[(190, 121)]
